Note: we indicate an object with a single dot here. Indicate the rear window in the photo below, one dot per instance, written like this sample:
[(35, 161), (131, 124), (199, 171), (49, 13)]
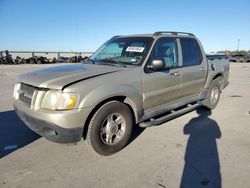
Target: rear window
[(191, 53)]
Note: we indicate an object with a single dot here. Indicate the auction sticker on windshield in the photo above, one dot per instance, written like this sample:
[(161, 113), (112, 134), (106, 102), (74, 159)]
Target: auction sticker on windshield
[(134, 49)]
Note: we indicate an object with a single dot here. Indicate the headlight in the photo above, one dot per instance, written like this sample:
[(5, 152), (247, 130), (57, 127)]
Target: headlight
[(16, 88), (58, 100)]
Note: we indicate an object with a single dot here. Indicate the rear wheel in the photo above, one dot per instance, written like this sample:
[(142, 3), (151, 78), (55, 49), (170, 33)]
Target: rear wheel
[(110, 128), (213, 95)]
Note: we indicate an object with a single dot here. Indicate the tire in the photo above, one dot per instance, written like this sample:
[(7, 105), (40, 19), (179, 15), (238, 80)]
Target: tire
[(213, 96), (110, 128), (39, 61), (31, 61)]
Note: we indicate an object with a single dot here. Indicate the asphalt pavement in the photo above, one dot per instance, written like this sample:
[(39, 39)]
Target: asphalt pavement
[(198, 149)]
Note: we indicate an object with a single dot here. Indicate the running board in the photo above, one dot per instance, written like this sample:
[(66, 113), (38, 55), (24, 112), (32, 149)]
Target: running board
[(173, 114)]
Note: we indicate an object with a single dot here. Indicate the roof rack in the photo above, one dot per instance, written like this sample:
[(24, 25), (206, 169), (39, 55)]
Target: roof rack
[(115, 36), (172, 33)]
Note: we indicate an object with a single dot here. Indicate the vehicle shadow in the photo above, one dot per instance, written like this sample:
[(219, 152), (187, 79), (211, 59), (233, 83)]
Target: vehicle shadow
[(14, 134), (135, 133), (202, 165)]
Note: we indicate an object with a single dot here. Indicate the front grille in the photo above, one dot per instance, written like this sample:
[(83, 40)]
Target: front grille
[(26, 93)]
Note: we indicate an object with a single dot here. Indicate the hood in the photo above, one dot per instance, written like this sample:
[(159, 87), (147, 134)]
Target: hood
[(60, 76)]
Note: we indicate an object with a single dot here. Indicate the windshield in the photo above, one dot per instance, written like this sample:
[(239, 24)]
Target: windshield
[(125, 51)]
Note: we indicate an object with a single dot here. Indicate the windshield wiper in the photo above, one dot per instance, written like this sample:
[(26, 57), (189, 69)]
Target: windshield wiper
[(110, 61), (88, 60)]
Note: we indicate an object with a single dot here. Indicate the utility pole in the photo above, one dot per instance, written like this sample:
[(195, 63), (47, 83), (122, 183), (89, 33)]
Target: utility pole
[(238, 45)]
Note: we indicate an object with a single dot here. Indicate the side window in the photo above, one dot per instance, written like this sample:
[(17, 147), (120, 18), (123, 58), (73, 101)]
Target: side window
[(166, 49), (191, 52)]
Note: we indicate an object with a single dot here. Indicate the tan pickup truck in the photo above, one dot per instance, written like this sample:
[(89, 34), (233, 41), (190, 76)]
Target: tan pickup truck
[(136, 80)]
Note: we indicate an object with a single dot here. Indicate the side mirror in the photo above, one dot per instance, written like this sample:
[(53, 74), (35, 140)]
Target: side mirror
[(158, 64)]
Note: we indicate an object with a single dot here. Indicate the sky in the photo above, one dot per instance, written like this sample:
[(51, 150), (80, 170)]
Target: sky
[(83, 25)]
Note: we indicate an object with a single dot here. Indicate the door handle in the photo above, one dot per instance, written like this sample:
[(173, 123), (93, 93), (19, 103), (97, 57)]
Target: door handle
[(174, 74), (202, 68)]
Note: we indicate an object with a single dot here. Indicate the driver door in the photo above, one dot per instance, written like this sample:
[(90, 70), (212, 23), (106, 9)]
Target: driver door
[(162, 87)]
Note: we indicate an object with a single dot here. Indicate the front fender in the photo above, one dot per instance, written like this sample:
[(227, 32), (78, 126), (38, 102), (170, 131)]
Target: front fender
[(133, 97)]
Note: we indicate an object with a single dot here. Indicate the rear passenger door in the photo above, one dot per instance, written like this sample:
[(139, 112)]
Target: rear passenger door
[(194, 68)]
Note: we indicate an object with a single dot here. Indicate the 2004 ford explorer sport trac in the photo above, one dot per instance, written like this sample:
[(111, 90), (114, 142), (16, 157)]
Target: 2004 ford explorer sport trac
[(130, 80)]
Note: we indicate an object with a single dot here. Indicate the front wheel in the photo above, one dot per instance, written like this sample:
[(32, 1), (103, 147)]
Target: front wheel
[(213, 95), (110, 128)]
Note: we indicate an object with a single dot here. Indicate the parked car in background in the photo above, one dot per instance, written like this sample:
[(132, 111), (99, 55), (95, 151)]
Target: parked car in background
[(62, 59), (45, 60), (240, 58), (20, 60), (74, 59), (247, 58), (7, 59), (31, 60)]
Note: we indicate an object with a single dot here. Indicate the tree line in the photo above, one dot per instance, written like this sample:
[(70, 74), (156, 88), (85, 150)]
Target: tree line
[(235, 52)]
